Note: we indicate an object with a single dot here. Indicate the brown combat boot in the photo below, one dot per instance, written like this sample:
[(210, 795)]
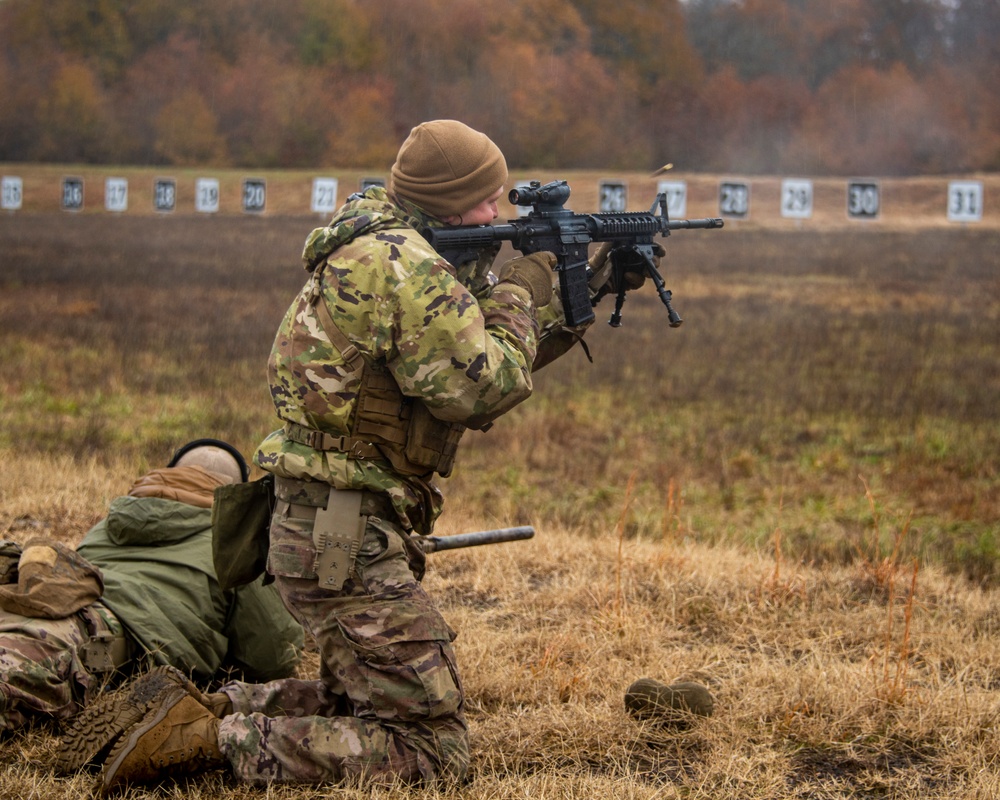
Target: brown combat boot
[(677, 704), (88, 736), (177, 736)]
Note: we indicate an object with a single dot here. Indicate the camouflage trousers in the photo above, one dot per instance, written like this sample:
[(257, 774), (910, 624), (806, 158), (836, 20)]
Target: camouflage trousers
[(42, 674), (387, 705)]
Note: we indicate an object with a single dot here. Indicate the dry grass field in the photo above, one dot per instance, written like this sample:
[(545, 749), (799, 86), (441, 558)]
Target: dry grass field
[(793, 497)]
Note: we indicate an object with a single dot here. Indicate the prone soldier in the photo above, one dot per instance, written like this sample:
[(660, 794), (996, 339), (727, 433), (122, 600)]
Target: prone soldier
[(139, 590)]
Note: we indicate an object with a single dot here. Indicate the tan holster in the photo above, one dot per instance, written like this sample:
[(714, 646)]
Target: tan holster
[(337, 535), (338, 526)]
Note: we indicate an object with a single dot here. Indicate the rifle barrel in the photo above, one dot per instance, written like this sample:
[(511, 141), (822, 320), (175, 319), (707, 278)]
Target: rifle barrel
[(677, 224)]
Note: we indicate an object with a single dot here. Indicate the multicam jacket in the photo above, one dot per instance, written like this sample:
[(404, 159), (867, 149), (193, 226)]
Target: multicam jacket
[(466, 356)]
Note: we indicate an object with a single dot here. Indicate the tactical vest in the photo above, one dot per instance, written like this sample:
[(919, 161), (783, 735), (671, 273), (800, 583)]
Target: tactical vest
[(387, 423)]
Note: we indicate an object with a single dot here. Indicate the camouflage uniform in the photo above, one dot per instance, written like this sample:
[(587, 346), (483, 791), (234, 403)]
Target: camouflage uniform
[(42, 674), (468, 358), (388, 702), (161, 604)]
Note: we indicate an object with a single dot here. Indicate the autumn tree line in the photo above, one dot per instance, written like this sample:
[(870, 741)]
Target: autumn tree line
[(837, 87)]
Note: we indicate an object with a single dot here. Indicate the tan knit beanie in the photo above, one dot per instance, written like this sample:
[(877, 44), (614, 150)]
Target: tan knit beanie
[(447, 168)]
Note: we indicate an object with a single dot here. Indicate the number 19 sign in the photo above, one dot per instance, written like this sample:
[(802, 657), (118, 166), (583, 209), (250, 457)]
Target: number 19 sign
[(206, 195)]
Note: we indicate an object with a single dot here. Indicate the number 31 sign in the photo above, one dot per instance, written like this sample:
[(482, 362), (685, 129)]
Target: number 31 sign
[(965, 201)]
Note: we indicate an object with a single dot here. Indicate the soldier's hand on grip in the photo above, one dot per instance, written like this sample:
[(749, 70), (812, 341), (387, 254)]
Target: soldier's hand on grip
[(533, 273)]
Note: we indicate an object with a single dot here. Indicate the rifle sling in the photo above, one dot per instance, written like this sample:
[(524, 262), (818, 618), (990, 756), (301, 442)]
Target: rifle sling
[(348, 350)]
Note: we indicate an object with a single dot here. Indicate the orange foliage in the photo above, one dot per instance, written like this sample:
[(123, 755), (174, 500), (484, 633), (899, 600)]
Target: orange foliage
[(359, 129), (865, 121), (72, 114), (821, 86), (186, 131)]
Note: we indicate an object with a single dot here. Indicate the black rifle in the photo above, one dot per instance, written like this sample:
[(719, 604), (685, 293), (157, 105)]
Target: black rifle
[(434, 544), (549, 226)]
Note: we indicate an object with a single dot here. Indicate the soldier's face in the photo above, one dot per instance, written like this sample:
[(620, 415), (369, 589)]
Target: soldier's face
[(483, 214)]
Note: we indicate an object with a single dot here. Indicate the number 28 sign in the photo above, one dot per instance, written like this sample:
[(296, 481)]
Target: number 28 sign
[(734, 200)]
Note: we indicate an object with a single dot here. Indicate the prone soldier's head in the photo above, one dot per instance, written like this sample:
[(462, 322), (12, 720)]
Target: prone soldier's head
[(451, 171), (215, 456)]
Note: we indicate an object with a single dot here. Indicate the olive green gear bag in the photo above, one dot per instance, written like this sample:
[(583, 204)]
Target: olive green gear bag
[(53, 582), (241, 522)]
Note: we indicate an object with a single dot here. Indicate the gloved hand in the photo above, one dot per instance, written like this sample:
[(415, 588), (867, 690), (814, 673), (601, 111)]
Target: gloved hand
[(533, 273), (630, 268)]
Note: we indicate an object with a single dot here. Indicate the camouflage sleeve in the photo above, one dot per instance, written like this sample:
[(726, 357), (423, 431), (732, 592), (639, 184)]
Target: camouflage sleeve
[(468, 359)]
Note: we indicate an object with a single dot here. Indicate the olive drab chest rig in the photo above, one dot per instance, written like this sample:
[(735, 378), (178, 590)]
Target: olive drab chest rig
[(387, 423)]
